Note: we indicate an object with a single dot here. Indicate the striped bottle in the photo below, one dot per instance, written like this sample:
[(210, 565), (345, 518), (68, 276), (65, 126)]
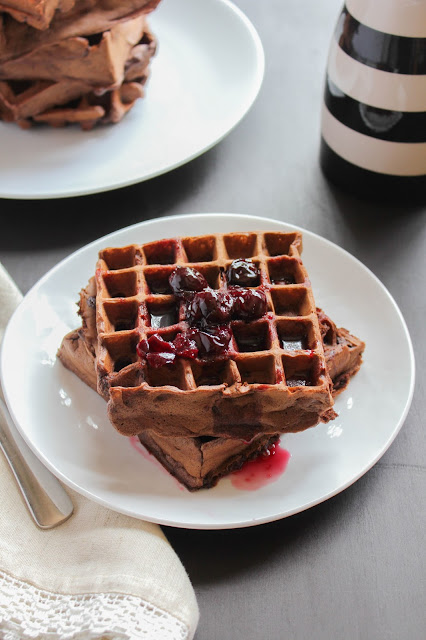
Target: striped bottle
[(373, 121)]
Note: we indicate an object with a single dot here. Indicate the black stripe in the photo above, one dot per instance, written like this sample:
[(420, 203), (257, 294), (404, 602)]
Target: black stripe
[(370, 184), (395, 126), (396, 54)]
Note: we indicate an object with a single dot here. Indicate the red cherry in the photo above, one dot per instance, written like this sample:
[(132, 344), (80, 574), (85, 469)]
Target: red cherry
[(142, 348), (243, 273), (158, 345), (215, 341), (185, 279), (210, 307), (185, 345), (157, 360), (249, 304)]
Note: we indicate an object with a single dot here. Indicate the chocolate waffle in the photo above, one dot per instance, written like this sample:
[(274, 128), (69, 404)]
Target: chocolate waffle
[(100, 61), (22, 100), (199, 462), (75, 100), (36, 13), (270, 375), (343, 352), (92, 109), (86, 18)]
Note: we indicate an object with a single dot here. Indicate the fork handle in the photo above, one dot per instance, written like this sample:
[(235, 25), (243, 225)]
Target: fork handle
[(46, 499)]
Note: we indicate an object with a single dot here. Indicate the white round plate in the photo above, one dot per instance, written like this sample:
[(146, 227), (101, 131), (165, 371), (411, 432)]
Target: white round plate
[(204, 78), (66, 423)]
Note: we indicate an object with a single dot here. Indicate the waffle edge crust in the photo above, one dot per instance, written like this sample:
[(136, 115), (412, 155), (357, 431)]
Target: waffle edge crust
[(260, 389)]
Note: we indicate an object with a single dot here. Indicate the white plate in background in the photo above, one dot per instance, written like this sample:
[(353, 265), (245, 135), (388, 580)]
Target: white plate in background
[(66, 424), (204, 78)]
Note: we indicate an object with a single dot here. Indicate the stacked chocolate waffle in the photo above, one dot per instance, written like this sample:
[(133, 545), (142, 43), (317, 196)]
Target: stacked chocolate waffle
[(73, 61), (209, 348)]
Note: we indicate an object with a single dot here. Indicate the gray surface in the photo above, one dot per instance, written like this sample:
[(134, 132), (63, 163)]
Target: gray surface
[(354, 567)]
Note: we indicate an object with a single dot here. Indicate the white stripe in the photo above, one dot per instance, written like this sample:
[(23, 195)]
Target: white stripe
[(394, 91), (392, 158), (398, 17)]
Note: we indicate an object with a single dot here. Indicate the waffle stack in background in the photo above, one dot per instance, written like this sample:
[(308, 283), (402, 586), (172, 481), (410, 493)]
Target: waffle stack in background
[(205, 412), (73, 61)]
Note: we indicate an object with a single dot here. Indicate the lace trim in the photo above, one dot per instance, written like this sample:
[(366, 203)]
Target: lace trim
[(29, 613)]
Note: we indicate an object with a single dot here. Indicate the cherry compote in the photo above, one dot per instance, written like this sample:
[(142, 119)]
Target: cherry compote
[(190, 344), (161, 352), (215, 341), (156, 351), (248, 304), (210, 307), (184, 280), (243, 273), (157, 344), (185, 344), (202, 342), (157, 360), (208, 313)]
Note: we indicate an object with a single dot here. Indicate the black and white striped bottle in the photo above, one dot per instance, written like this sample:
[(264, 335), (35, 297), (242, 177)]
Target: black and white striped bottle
[(373, 125)]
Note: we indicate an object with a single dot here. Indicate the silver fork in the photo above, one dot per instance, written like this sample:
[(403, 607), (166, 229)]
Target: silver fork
[(46, 499)]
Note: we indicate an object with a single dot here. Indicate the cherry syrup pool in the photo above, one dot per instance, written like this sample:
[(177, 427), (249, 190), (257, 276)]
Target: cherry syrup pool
[(265, 469)]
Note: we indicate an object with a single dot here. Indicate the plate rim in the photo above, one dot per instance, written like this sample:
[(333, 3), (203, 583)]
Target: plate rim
[(208, 525), (258, 76)]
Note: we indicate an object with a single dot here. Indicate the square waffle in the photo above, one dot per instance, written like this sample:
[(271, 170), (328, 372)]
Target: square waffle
[(99, 60), (36, 13), (86, 18), (199, 462), (21, 99), (272, 375), (74, 100), (343, 351), (91, 109)]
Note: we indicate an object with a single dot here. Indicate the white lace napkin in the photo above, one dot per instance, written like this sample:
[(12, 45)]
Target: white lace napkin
[(99, 575)]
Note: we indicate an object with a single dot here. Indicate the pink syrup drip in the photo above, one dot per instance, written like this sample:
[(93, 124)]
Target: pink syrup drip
[(265, 469), (136, 444)]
